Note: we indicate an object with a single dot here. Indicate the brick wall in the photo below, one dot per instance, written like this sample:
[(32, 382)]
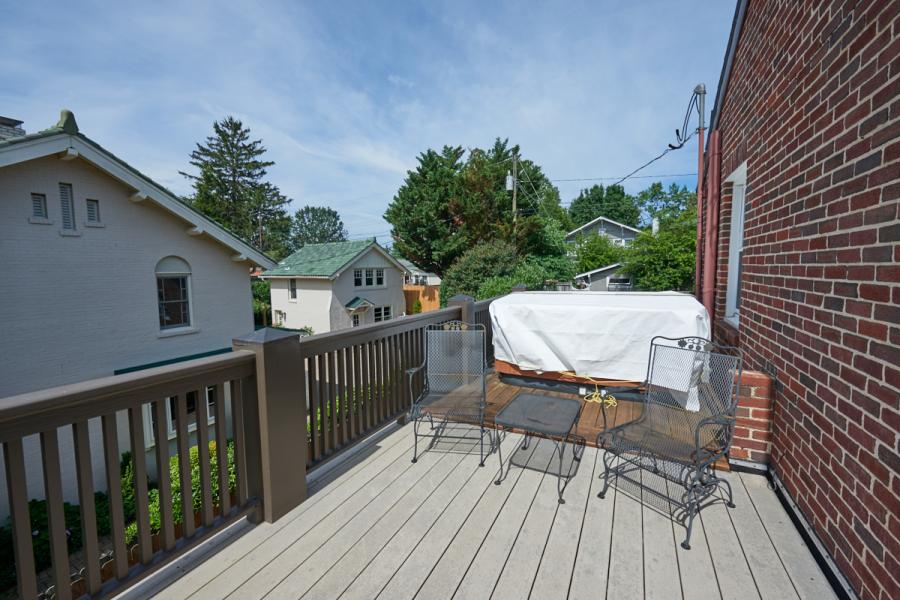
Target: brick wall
[(753, 425), (813, 107)]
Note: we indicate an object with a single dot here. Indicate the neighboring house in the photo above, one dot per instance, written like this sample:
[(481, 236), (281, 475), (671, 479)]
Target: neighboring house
[(801, 259), (417, 276), (605, 279), (621, 235), (113, 273), (336, 285)]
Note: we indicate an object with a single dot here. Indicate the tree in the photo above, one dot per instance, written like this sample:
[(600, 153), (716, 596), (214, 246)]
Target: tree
[(665, 261), (535, 273), (595, 251), (316, 225), (482, 261), (664, 204), (452, 202), (611, 202), (230, 187)]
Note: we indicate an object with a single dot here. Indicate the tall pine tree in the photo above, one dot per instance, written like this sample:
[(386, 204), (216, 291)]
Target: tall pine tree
[(230, 187)]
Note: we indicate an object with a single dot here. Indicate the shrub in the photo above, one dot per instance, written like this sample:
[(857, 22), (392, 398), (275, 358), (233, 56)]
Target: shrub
[(596, 251), (484, 260), (535, 273), (416, 307)]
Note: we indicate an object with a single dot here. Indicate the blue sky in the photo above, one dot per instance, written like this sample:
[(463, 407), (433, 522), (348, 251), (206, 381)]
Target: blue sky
[(345, 95)]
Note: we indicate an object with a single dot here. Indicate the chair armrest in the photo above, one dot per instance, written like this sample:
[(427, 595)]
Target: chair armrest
[(414, 370), (718, 420)]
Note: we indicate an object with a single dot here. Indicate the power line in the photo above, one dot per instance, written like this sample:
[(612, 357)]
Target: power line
[(662, 176)]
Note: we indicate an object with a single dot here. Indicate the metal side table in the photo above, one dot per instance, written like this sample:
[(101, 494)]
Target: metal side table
[(546, 417)]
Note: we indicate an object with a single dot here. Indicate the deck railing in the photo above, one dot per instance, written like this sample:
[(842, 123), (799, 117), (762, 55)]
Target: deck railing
[(92, 411), (338, 386)]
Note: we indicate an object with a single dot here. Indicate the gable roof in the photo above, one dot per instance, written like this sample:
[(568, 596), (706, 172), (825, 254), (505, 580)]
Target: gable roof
[(595, 271), (411, 266), (65, 140), (597, 220), (326, 260)]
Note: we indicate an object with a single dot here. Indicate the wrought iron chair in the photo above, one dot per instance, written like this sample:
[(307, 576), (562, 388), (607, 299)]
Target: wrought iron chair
[(686, 422), (454, 390)]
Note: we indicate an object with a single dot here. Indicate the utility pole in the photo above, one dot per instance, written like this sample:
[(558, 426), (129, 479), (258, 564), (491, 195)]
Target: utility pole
[(700, 90)]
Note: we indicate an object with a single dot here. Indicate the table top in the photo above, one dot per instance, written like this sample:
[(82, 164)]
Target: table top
[(540, 414)]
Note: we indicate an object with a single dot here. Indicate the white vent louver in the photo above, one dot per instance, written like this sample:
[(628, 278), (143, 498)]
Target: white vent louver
[(68, 210), (39, 206)]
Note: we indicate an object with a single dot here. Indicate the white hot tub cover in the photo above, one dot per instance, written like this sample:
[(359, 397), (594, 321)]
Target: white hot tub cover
[(596, 334)]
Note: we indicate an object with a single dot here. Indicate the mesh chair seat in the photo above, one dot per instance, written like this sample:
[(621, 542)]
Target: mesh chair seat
[(465, 402), (641, 439)]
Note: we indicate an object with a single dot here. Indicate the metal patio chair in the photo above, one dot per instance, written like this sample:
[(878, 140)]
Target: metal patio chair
[(454, 390), (686, 422)]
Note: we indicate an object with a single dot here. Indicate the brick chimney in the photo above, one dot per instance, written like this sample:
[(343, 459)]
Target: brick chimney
[(10, 128)]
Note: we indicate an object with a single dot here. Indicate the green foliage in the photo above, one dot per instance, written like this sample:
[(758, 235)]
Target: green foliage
[(453, 202), (665, 261), (595, 251), (316, 225), (665, 204), (175, 485), (126, 476), (481, 262), (612, 203), (262, 299), (417, 306), (535, 273), (229, 187), (40, 541)]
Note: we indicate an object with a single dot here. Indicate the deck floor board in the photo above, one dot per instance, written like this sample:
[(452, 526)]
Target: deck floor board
[(378, 525)]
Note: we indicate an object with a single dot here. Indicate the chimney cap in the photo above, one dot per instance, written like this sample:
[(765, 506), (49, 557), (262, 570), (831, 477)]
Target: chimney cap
[(10, 122), (67, 122)]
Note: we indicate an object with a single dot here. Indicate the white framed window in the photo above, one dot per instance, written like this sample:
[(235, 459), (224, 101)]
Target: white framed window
[(368, 277), (173, 295), (92, 209), (382, 313), (293, 289), (39, 207), (172, 415), (355, 319), (280, 316), (738, 180), (67, 206)]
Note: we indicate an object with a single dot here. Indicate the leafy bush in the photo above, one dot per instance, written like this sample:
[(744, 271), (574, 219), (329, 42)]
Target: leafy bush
[(416, 307), (196, 495), (596, 251), (40, 540), (485, 260), (665, 261), (535, 273)]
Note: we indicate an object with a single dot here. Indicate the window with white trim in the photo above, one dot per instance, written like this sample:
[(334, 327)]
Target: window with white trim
[(370, 277), (67, 207), (382, 313), (93, 210), (738, 180), (172, 414), (293, 288), (39, 206), (355, 319), (173, 293)]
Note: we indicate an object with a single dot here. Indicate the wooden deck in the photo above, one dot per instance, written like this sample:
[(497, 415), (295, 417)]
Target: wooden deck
[(379, 526)]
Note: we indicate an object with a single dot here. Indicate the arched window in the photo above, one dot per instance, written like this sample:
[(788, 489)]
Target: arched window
[(173, 292)]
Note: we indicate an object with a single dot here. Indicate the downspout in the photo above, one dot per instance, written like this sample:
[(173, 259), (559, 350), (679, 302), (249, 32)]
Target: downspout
[(700, 160), (711, 235)]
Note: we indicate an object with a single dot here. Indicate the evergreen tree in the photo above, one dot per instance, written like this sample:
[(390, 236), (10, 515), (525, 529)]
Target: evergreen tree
[(230, 187), (611, 202), (315, 225)]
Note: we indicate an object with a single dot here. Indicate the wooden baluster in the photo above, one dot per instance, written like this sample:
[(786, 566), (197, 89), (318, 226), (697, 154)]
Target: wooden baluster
[(184, 466), (343, 400), (141, 499), (313, 403), (371, 384), (307, 381), (388, 374), (114, 486), (17, 492), (85, 476), (56, 521), (222, 451), (322, 369), (163, 478), (240, 439), (397, 373), (206, 502), (331, 364), (357, 391)]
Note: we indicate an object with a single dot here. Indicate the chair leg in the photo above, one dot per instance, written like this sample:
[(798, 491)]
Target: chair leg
[(499, 458), (606, 454), (693, 508), (730, 502), (415, 440), (481, 442)]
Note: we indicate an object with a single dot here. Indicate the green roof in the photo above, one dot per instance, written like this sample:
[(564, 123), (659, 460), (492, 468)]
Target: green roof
[(320, 260), (357, 302)]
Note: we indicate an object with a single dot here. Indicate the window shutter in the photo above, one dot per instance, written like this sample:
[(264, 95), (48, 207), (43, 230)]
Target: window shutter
[(93, 211), (68, 211), (39, 206)]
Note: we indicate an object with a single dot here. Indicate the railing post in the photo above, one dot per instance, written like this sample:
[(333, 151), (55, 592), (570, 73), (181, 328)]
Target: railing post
[(466, 306), (282, 417)]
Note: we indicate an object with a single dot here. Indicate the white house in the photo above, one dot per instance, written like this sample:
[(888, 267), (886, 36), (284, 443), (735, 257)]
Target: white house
[(619, 233), (418, 276), (107, 271), (336, 285)]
